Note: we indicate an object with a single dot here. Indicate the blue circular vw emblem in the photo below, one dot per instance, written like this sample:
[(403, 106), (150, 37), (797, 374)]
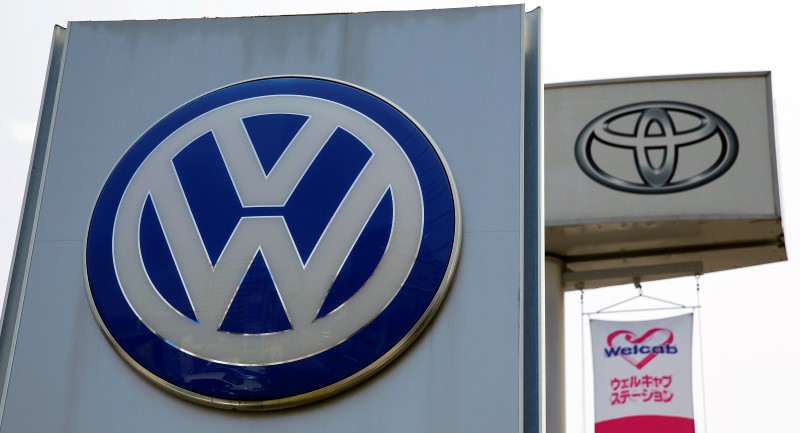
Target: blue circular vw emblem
[(272, 243)]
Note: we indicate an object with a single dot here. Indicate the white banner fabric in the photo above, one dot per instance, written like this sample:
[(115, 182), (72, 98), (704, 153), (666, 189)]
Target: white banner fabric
[(643, 375)]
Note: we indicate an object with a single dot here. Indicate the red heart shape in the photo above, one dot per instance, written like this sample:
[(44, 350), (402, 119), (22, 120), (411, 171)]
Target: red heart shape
[(631, 338)]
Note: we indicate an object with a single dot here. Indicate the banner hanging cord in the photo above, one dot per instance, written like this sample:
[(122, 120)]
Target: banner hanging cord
[(637, 283), (700, 344), (583, 365)]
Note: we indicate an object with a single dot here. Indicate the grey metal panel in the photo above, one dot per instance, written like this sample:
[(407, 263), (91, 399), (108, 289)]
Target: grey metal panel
[(596, 240), (602, 271), (458, 72), (27, 225), (593, 250), (532, 226)]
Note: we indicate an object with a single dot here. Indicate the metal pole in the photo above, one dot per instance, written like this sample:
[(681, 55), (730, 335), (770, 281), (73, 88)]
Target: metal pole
[(555, 396)]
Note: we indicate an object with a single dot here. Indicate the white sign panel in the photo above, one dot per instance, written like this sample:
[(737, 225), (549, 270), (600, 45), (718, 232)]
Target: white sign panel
[(643, 375), (657, 173), (660, 149)]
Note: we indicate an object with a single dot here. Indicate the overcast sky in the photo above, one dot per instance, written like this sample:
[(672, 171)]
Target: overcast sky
[(748, 315)]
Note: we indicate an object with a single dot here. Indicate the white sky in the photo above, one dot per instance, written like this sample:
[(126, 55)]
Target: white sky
[(748, 315)]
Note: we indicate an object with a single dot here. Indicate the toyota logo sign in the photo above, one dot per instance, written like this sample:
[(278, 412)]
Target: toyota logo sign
[(655, 133)]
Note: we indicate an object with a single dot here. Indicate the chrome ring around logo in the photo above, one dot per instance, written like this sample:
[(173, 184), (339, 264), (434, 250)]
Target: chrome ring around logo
[(654, 129), (272, 243)]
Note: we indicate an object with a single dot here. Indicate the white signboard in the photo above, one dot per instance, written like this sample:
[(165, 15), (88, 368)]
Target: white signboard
[(671, 176), (660, 149), (643, 375)]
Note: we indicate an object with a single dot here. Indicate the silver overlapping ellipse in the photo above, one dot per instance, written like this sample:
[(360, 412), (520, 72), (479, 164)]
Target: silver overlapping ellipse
[(656, 179)]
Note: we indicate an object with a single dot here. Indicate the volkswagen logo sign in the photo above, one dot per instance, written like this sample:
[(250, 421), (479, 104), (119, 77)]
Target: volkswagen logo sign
[(272, 243), (655, 136)]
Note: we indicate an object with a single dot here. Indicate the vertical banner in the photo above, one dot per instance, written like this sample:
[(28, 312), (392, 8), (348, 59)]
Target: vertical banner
[(643, 375)]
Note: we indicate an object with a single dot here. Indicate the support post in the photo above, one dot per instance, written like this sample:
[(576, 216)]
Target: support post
[(555, 396)]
